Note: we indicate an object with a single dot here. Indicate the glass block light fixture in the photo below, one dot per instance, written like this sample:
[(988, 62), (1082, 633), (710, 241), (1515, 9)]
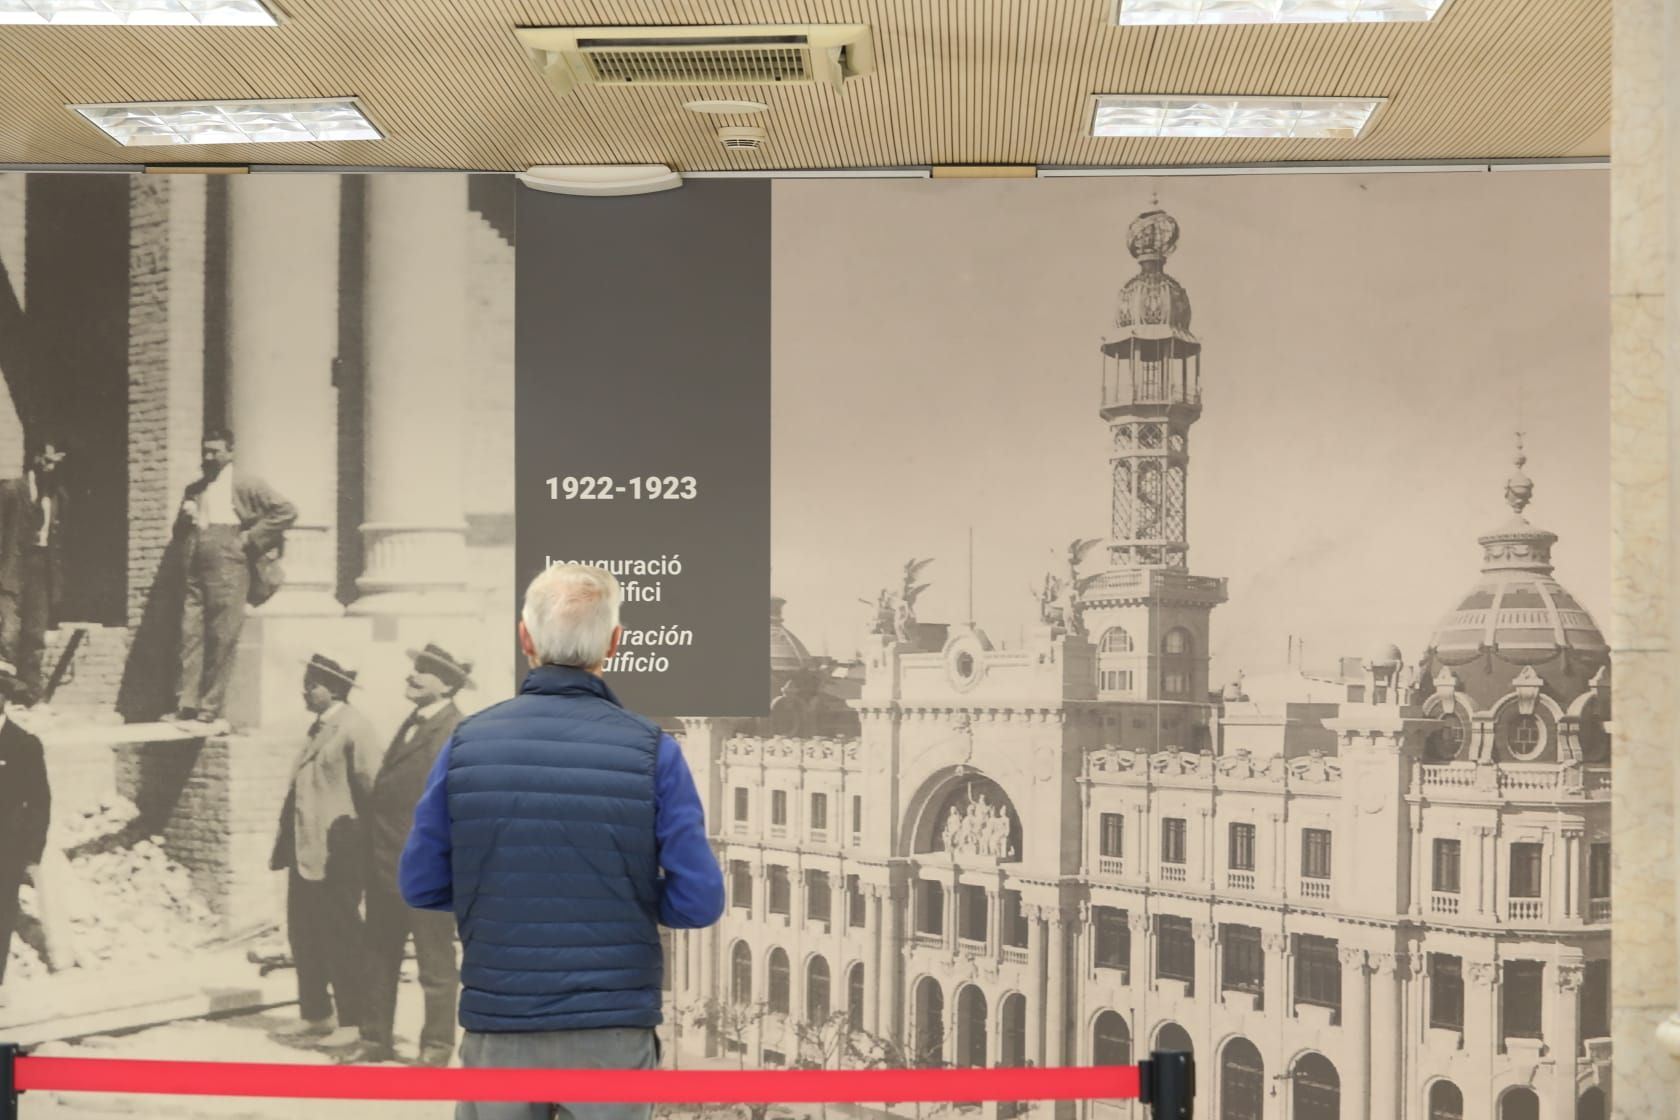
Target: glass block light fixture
[(1133, 13), (1326, 118), (163, 123), (166, 13)]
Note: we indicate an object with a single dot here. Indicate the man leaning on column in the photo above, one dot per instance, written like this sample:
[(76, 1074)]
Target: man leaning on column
[(435, 677)]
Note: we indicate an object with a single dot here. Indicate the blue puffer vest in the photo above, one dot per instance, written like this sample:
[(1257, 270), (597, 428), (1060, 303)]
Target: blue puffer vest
[(555, 862)]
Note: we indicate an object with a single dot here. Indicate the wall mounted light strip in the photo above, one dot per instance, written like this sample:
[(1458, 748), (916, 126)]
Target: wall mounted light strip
[(163, 123), (1297, 118), (151, 13), (1137, 13)]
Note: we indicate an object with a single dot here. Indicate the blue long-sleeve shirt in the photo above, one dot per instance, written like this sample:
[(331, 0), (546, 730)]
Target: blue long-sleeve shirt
[(690, 891)]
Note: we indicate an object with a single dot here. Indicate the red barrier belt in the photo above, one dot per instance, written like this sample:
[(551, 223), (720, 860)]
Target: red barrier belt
[(241, 1079)]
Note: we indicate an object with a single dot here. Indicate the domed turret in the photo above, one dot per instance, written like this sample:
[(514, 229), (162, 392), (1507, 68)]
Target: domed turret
[(1153, 304), (1518, 653), (787, 653)]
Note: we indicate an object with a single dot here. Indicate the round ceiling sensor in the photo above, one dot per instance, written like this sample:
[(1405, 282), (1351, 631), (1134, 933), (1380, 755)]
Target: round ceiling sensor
[(725, 108)]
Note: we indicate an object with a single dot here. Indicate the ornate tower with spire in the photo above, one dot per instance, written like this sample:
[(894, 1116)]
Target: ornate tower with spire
[(1147, 615)]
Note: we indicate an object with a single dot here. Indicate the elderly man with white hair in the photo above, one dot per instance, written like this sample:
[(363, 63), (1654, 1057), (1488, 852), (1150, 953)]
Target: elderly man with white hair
[(563, 831)]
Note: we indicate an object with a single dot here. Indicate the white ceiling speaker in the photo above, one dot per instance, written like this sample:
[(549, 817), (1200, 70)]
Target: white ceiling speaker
[(602, 180), (761, 55), (738, 139)]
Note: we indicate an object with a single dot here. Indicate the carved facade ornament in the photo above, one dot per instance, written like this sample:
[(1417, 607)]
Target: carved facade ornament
[(1446, 684), (1316, 768), (1113, 761), (1569, 977), (1481, 973), (979, 828), (1239, 765), (1527, 685)]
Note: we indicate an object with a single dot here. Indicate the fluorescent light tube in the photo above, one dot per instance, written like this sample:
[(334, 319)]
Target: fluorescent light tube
[(164, 123), (165, 13), (1137, 13), (1329, 118)]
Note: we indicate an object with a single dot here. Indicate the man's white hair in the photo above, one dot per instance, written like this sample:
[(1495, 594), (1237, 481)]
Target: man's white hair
[(571, 611)]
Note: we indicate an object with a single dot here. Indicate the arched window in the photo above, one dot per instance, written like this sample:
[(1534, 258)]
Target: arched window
[(1242, 1081), (1111, 1041), (854, 997), (1446, 1102), (1591, 1105), (1173, 1038), (971, 1027), (930, 1024), (778, 981), (1318, 1089), (1116, 640), (740, 974), (1520, 1103), (816, 991), (1013, 1023), (1178, 652)]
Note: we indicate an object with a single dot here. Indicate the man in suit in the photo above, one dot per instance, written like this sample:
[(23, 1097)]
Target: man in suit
[(25, 810), (230, 525), (320, 843), (31, 572), (436, 677)]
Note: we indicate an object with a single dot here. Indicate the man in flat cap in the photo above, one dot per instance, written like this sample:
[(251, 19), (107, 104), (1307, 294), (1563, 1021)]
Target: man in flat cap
[(437, 675), (320, 843)]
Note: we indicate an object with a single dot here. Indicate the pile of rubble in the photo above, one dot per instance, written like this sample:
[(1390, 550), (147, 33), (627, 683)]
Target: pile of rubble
[(123, 902)]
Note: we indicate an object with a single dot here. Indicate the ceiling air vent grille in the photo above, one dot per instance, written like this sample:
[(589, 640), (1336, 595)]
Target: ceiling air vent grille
[(700, 56)]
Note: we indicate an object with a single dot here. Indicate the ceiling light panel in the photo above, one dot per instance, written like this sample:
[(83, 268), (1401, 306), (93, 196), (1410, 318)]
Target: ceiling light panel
[(159, 124), (1131, 13), (166, 13), (1299, 118)]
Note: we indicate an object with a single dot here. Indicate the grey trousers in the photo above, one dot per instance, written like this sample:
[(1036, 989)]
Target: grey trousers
[(627, 1048)]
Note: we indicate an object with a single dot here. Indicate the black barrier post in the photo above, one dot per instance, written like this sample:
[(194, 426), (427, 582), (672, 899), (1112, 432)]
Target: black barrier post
[(1167, 1084), (8, 1081)]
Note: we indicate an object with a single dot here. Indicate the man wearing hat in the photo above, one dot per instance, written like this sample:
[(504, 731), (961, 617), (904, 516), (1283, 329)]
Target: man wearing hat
[(25, 809), (436, 677), (320, 843), (31, 563)]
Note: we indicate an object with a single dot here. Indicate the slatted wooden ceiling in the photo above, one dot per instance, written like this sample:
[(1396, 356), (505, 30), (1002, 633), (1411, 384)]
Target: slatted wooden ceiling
[(957, 82)]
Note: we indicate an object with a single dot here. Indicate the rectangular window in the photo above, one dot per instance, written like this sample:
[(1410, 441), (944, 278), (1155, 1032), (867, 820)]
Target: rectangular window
[(1113, 939), (857, 816), (780, 892), (1446, 866), (1446, 991), (1172, 840), (1315, 853), (857, 903), (741, 803), (819, 812), (1014, 920), (1595, 1000), (1245, 960), (1379, 694), (1175, 956), (971, 912), (1525, 870), (930, 908), (1598, 871), (1176, 684), (778, 807), (1356, 694), (1242, 848), (1116, 680), (740, 884), (1522, 990), (1318, 972), (1112, 834), (819, 897)]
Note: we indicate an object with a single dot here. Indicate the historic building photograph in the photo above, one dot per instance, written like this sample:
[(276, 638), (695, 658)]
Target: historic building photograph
[(257, 436), (1019, 815)]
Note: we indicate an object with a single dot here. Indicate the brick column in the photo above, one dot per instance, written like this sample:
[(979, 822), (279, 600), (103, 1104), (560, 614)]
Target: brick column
[(1055, 1041), (282, 339), (417, 367), (874, 979), (1563, 1028), (1386, 1031), (165, 373), (1356, 1027)]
